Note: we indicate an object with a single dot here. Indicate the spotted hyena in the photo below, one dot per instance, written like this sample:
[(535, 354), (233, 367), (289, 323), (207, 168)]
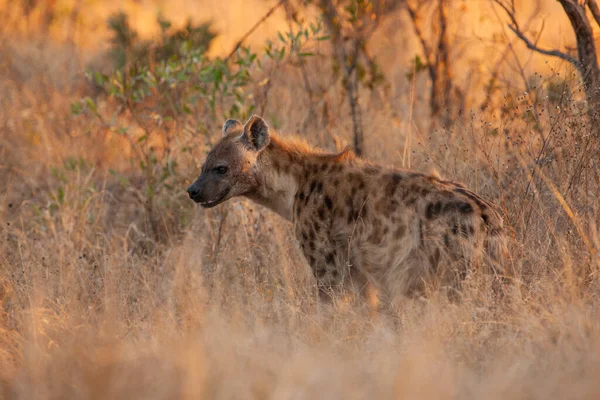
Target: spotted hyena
[(356, 222)]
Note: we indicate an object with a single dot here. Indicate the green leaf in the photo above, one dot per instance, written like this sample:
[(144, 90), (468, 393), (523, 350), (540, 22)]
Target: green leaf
[(164, 24), (322, 38), (281, 37), (76, 108), (91, 104), (60, 195), (100, 78), (306, 54), (142, 138)]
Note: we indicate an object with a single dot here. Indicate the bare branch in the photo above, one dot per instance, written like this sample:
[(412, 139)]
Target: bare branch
[(247, 34), (532, 46), (514, 26), (413, 16), (595, 10)]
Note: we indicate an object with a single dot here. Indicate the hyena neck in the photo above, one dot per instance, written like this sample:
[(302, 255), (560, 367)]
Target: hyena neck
[(282, 170)]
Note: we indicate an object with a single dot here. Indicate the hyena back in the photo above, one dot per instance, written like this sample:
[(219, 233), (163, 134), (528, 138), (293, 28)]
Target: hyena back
[(357, 223)]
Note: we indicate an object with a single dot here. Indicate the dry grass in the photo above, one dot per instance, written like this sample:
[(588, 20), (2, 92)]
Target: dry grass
[(225, 307)]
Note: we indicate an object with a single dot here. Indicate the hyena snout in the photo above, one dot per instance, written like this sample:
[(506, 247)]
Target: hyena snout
[(193, 190), (208, 193)]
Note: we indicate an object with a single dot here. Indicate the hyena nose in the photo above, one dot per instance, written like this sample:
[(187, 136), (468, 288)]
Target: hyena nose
[(193, 192)]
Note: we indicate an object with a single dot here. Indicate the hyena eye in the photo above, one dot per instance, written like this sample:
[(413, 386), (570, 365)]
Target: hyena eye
[(221, 170)]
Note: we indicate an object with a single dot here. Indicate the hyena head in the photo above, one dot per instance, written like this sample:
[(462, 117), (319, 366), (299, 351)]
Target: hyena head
[(230, 168)]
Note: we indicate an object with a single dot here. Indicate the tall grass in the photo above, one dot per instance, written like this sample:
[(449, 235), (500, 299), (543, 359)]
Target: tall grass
[(224, 305)]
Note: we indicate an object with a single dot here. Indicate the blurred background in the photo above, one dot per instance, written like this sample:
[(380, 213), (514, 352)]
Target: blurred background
[(113, 284)]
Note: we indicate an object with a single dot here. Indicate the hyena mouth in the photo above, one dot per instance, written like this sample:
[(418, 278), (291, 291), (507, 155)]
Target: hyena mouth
[(213, 202)]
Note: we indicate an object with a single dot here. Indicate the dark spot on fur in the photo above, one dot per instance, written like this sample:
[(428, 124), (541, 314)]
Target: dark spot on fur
[(455, 229), (336, 182), (465, 208), (433, 210), (328, 203), (311, 235), (457, 206), (320, 187), (313, 185), (485, 218), (392, 186), (321, 213), (324, 167), (330, 258), (311, 246), (321, 272), (421, 233), (301, 195), (447, 240), (304, 236), (311, 260), (335, 273), (400, 231)]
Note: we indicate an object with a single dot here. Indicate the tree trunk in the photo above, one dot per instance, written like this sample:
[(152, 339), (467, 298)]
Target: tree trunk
[(588, 62), (590, 75), (348, 61), (445, 100)]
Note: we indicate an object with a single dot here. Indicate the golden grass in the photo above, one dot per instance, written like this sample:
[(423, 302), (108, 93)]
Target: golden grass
[(225, 307)]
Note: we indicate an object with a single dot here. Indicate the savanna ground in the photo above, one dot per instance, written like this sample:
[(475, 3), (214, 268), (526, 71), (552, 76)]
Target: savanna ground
[(114, 285)]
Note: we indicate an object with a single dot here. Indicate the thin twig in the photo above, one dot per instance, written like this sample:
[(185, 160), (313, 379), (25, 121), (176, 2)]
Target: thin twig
[(514, 26), (251, 31)]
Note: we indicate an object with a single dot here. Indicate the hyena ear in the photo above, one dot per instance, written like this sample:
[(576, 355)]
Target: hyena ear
[(256, 133), (232, 126)]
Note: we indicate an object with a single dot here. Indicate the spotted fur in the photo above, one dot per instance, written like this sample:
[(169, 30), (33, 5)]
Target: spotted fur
[(356, 222)]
